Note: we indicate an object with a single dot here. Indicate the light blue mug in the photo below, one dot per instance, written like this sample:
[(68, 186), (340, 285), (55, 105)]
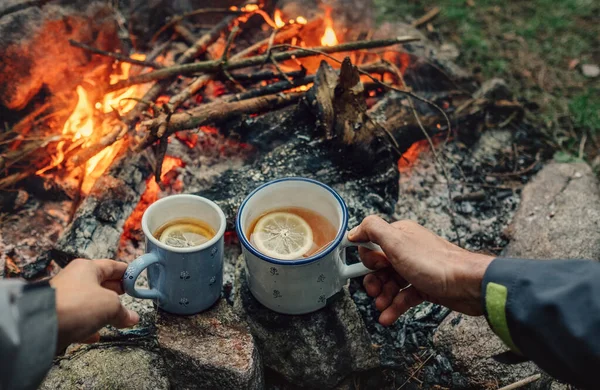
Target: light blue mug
[(182, 280)]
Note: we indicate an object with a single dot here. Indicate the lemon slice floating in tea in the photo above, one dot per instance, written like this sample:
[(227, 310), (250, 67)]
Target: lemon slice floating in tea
[(282, 235), (185, 235)]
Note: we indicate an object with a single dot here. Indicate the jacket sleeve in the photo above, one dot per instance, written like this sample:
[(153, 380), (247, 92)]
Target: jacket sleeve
[(28, 333), (548, 311)]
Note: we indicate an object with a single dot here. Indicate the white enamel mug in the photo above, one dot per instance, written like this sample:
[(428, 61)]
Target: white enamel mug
[(303, 285)]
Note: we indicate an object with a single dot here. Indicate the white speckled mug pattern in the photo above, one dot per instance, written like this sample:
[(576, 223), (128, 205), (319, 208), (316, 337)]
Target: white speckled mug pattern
[(303, 285)]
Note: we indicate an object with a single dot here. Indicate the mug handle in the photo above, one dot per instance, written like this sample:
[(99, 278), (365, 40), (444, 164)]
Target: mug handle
[(358, 269), (134, 270)]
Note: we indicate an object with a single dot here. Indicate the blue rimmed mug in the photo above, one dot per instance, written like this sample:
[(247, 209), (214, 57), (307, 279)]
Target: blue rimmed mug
[(304, 285), (182, 280)]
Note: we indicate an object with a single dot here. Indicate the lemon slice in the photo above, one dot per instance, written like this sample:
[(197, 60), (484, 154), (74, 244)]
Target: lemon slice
[(282, 235), (185, 235)]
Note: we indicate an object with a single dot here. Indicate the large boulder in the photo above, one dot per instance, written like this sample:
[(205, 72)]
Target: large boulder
[(559, 217), (315, 350), (107, 366), (210, 350)]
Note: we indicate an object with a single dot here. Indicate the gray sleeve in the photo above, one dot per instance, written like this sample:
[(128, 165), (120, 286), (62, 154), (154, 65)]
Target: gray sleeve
[(549, 311), (28, 333)]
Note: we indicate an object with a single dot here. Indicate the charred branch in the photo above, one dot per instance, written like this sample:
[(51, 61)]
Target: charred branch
[(212, 113), (218, 65), (117, 56)]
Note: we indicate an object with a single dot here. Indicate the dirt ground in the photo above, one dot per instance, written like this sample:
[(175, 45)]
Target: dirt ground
[(540, 47)]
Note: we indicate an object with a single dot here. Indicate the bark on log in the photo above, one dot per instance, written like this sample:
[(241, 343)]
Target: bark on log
[(98, 222)]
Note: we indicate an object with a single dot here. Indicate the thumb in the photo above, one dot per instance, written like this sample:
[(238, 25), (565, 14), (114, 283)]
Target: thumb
[(124, 318), (373, 229)]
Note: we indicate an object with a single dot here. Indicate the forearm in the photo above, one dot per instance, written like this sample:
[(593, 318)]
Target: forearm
[(28, 332), (549, 311)]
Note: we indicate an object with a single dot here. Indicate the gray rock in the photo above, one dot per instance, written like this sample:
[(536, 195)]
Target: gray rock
[(108, 367), (315, 350), (494, 89), (559, 215), (470, 343), (210, 350)]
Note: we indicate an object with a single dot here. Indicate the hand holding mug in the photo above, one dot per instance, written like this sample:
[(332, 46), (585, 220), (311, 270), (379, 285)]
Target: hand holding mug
[(87, 298), (437, 270)]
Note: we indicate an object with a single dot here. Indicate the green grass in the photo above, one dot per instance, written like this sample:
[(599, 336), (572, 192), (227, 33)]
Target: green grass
[(530, 44)]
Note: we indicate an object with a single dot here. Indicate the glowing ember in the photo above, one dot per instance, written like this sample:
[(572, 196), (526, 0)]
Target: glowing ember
[(277, 19), (329, 38), (411, 155), (301, 20), (250, 7), (82, 130)]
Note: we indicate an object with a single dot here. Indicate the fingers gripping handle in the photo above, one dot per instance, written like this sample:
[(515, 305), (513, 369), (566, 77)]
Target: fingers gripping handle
[(133, 272), (358, 269)]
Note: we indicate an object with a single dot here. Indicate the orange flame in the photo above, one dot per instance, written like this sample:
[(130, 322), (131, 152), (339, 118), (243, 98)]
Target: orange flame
[(82, 130), (278, 19), (329, 38)]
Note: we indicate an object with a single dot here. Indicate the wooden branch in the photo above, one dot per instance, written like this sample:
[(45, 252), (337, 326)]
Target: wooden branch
[(119, 131), (213, 112), (185, 33), (205, 41), (117, 56), (522, 382), (217, 65), (269, 89), (178, 18), (266, 75)]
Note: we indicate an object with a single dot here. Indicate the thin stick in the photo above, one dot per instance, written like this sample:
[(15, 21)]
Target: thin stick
[(267, 75), (416, 371), (185, 33), (437, 159), (216, 65), (522, 382), (178, 18), (117, 56), (432, 13)]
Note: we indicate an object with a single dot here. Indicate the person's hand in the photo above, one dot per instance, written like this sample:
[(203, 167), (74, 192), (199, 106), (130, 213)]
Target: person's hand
[(87, 298), (438, 271)]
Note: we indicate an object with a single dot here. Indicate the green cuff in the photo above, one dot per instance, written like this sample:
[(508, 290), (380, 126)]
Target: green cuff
[(495, 304)]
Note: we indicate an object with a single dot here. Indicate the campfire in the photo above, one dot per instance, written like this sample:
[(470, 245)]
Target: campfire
[(218, 100)]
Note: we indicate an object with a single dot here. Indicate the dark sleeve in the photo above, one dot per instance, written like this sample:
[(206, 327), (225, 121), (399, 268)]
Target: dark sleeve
[(28, 332), (548, 311)]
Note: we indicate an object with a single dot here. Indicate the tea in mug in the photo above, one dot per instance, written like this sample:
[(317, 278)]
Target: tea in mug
[(184, 233), (291, 233)]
